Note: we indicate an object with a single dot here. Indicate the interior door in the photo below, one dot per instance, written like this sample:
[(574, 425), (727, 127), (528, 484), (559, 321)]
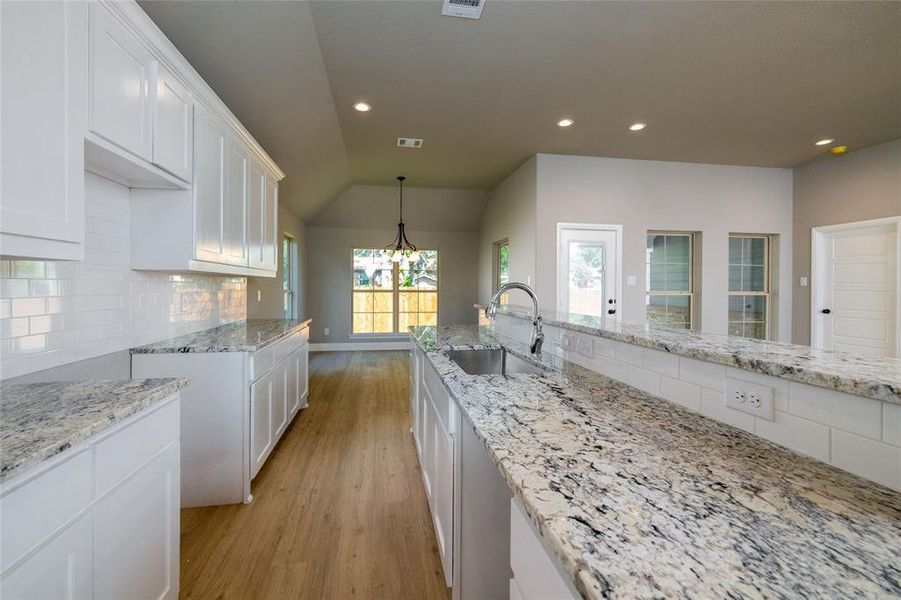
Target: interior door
[(855, 300), (587, 265)]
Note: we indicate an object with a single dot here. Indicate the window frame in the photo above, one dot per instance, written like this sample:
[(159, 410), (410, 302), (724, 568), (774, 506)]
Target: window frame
[(767, 283), (693, 269), (395, 297), (497, 262), (293, 276)]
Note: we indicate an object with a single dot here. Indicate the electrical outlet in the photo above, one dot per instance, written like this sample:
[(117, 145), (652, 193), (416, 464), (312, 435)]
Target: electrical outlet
[(185, 302), (585, 346), (567, 342), (751, 398), (326, 331)]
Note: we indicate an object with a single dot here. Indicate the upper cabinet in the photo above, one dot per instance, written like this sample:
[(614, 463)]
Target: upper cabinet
[(95, 85), (43, 78)]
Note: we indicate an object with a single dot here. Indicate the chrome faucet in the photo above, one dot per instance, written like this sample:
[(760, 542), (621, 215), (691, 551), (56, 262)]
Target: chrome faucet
[(537, 335)]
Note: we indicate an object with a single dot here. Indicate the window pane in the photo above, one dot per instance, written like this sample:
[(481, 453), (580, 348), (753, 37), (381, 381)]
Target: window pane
[(757, 251), (503, 263), (362, 301), (668, 267), (362, 323), (677, 277), (428, 318), (372, 270), (586, 278), (428, 302), (671, 311), (406, 320), (747, 316), (747, 264), (408, 301)]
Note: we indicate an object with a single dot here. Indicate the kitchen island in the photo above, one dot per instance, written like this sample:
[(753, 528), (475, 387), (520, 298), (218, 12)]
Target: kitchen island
[(636, 497)]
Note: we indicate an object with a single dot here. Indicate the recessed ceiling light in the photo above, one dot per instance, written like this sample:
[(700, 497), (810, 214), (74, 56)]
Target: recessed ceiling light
[(565, 123), (637, 126), (824, 141), (362, 107), (838, 150)]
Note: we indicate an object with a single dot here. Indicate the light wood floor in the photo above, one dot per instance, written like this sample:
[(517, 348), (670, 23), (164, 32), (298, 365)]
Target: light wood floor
[(339, 509)]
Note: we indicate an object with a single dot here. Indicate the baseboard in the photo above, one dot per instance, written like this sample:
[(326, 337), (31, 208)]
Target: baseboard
[(355, 346)]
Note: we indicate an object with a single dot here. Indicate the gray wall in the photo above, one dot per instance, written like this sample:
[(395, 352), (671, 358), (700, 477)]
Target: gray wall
[(330, 275), (270, 304), (858, 186), (510, 214)]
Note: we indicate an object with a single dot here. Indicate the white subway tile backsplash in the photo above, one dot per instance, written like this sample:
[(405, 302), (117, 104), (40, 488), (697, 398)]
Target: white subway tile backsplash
[(867, 458), (627, 353), (645, 380), (713, 405), (661, 362), (796, 433), (680, 392), (858, 415), (615, 369), (604, 347), (704, 374), (780, 386), (891, 423), (54, 312)]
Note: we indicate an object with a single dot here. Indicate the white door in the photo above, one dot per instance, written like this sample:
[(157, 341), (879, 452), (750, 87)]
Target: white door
[(121, 73), (173, 125), (303, 377), (280, 399), (43, 116), (255, 217), (587, 266), (260, 422), (62, 569), (235, 206), (855, 296), (136, 534), (293, 383), (209, 166)]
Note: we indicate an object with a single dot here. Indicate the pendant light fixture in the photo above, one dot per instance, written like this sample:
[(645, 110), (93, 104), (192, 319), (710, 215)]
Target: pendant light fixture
[(401, 248)]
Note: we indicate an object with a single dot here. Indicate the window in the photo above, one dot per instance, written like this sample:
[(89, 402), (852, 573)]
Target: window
[(669, 273), (289, 276), (389, 297), (749, 289), (502, 266)]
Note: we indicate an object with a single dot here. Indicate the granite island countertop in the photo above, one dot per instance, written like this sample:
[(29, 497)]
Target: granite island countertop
[(240, 336), (870, 377), (40, 420), (640, 498)]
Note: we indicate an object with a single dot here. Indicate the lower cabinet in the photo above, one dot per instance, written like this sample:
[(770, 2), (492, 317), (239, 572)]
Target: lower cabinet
[(101, 520), (535, 576)]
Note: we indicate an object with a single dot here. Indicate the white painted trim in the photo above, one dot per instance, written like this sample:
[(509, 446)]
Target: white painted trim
[(817, 264), (358, 346), (618, 231)]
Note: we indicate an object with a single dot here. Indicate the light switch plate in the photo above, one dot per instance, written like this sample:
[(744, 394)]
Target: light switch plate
[(803, 281), (631, 280), (567, 342), (751, 398)]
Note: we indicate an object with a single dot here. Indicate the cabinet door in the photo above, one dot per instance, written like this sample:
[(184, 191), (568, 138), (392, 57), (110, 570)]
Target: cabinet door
[(136, 533), (260, 422), (303, 377), (43, 118), (255, 218), (270, 224), (122, 70), (209, 166), (294, 383), (61, 569), (173, 125), (235, 206), (280, 398), (443, 485)]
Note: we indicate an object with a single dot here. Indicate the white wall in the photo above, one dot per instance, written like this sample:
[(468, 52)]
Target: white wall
[(510, 214), (654, 195), (56, 312), (330, 275)]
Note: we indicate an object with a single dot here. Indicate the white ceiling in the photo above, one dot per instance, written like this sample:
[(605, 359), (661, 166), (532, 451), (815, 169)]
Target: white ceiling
[(748, 83)]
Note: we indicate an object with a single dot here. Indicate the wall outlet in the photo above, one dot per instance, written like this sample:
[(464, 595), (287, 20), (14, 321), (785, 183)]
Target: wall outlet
[(585, 346), (567, 342), (325, 331), (185, 303), (751, 398)]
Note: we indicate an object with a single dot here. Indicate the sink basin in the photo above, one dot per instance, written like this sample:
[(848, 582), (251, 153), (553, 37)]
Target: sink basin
[(485, 362)]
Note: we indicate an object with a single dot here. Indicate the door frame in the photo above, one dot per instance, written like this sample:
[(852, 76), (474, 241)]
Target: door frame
[(617, 230), (818, 237)]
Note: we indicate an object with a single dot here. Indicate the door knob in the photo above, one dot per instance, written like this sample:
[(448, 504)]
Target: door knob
[(826, 311), (612, 311)]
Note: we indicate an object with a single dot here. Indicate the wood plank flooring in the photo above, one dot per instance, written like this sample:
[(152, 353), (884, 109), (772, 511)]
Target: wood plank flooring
[(339, 509)]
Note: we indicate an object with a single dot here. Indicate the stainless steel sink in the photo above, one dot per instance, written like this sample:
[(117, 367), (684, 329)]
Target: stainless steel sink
[(485, 362)]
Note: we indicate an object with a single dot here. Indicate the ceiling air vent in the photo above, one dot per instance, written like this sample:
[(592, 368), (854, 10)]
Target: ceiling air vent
[(468, 9), (409, 143)]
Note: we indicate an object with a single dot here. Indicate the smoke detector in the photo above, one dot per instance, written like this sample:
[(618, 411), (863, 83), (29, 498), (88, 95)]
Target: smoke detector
[(409, 142), (467, 9)]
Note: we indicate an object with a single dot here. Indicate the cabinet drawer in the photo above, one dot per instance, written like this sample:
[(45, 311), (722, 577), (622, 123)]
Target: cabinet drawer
[(264, 359), (42, 505), (122, 453)]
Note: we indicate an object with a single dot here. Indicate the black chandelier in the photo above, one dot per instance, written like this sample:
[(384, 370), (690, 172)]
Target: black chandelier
[(401, 248)]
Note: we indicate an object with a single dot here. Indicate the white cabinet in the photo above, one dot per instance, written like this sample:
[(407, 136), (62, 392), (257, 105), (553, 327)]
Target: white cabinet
[(209, 187), (262, 218), (261, 439), (234, 206), (173, 125), (100, 520), (122, 73), (535, 576), (43, 117)]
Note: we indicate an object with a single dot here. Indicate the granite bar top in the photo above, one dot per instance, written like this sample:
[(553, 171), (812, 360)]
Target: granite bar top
[(640, 498), (240, 336), (40, 420), (870, 377)]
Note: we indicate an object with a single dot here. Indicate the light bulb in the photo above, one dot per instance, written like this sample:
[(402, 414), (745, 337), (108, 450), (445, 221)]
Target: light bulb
[(397, 256)]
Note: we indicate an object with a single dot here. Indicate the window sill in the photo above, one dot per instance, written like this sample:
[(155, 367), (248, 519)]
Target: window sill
[(380, 336)]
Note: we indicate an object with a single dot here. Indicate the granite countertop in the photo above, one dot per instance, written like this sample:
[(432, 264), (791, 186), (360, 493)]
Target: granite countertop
[(871, 377), (240, 336), (640, 498), (40, 420)]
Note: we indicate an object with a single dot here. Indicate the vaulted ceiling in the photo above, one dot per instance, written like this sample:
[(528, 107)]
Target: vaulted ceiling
[(747, 83)]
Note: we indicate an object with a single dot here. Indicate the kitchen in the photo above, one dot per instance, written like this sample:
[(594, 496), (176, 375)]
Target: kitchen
[(249, 347)]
